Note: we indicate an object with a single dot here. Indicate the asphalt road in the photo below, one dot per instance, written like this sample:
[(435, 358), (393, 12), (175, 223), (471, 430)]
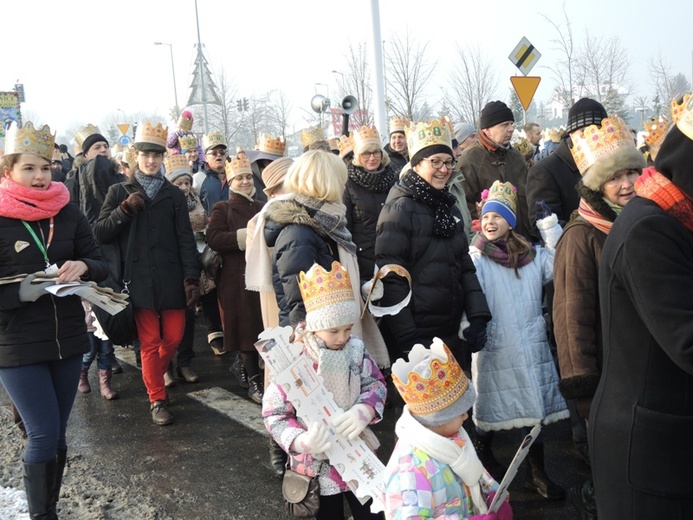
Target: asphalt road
[(211, 465)]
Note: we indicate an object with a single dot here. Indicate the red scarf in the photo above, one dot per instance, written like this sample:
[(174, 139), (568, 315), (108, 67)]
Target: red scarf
[(656, 187), (31, 204), (587, 212)]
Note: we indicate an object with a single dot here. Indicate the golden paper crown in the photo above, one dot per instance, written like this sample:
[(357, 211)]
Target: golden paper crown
[(504, 193), (310, 135), (187, 142), (271, 145), (421, 135), (27, 139), (656, 132), (678, 108), (176, 163), (398, 124), (554, 134), (185, 121), (346, 144), (365, 137), (593, 142), (320, 288), (684, 117), (237, 166), (85, 132), (149, 133), (431, 380), (334, 143), (523, 146), (130, 156), (213, 139)]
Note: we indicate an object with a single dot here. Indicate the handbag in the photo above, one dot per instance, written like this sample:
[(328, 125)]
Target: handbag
[(211, 262), (120, 328), (301, 494)]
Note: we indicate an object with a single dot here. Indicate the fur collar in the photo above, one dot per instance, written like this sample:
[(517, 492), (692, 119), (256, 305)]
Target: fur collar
[(289, 212)]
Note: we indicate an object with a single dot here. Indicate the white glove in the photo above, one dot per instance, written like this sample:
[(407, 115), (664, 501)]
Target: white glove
[(315, 440), (352, 422), (550, 230), (378, 291)]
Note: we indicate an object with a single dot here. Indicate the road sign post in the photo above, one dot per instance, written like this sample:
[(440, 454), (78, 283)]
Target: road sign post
[(524, 56)]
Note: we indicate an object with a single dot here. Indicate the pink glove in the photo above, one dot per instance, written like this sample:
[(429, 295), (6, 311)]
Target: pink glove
[(352, 422), (504, 511), (490, 516)]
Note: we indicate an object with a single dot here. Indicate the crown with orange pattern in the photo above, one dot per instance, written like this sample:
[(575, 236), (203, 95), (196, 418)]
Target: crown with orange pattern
[(678, 108), (237, 166), (151, 134), (433, 384), (365, 137), (398, 124), (346, 144), (310, 135), (328, 297), (27, 139), (176, 164), (595, 142), (271, 145), (187, 142), (424, 134), (656, 129), (683, 118)]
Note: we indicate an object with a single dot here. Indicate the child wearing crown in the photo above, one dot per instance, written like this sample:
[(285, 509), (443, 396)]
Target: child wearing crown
[(434, 471), (514, 373), (348, 372)]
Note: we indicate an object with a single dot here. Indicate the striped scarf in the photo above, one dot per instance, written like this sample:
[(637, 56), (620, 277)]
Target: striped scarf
[(596, 219), (656, 187)]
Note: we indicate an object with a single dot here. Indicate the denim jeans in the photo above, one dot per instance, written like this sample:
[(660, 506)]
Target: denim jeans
[(101, 350), (43, 394)]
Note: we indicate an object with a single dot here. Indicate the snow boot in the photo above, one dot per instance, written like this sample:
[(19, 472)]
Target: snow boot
[(105, 385)]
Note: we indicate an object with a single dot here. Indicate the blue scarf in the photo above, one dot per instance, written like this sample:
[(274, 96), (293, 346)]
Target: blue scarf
[(151, 184)]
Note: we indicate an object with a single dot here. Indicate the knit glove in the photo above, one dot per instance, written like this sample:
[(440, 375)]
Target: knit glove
[(475, 334), (378, 290), (30, 292), (192, 292), (351, 423), (550, 230), (315, 440), (133, 204)]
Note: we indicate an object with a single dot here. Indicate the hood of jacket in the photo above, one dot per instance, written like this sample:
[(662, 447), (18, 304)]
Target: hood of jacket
[(283, 213)]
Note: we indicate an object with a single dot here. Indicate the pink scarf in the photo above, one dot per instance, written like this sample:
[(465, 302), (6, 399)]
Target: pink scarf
[(31, 204)]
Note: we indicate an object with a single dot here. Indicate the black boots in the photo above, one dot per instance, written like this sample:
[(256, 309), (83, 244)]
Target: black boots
[(238, 370), (39, 483), (482, 444), (278, 457), (255, 390), (536, 479), (582, 497)]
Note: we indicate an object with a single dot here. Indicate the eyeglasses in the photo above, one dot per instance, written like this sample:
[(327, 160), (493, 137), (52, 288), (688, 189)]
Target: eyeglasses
[(377, 153), (438, 164), (217, 153)]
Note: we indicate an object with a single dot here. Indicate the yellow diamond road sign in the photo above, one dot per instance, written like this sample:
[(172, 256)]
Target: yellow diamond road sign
[(524, 56)]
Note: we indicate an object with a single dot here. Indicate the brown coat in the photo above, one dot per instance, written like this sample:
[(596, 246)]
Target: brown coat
[(576, 322), (241, 316)]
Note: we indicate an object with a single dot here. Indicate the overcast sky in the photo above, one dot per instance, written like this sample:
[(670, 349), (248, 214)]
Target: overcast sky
[(82, 60)]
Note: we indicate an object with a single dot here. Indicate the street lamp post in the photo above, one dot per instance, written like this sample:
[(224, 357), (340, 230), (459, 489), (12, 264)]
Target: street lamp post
[(173, 71)]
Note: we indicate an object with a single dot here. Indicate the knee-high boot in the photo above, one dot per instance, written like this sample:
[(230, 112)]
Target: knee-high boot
[(278, 457), (60, 462), (536, 478), (39, 483)]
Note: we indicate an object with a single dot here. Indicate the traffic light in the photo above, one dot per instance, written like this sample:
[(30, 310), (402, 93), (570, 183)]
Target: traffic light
[(245, 104), (239, 104)]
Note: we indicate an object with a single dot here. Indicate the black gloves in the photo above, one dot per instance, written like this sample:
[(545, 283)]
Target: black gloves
[(475, 334)]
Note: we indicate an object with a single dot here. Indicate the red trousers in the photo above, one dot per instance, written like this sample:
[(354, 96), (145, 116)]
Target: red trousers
[(159, 332)]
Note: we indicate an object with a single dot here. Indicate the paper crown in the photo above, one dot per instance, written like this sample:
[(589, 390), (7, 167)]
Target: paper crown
[(85, 132), (684, 115), (187, 142), (433, 384), (501, 198), (27, 139), (522, 145), (151, 134), (237, 166), (594, 142), (129, 156), (334, 143), (398, 124), (185, 121), (57, 156), (328, 297), (310, 135), (678, 108), (176, 163), (271, 145), (422, 135), (213, 139), (656, 132), (365, 137), (553, 134), (346, 144)]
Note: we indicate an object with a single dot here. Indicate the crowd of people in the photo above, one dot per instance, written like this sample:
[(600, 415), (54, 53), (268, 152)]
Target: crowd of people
[(524, 283)]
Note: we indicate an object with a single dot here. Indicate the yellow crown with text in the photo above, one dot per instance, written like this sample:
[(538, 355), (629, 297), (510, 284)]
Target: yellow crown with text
[(430, 381), (176, 163), (398, 124), (85, 132), (271, 145), (346, 144), (27, 139), (148, 132), (237, 166), (684, 115), (310, 135), (187, 142), (328, 297), (595, 142), (213, 139), (422, 135), (365, 137)]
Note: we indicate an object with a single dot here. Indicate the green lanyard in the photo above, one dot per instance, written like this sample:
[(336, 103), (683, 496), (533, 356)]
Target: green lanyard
[(39, 243)]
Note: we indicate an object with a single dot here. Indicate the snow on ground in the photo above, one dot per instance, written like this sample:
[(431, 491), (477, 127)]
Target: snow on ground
[(13, 504)]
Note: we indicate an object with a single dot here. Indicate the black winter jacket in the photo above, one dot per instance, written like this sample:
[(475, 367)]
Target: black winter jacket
[(50, 328), (397, 160), (443, 275), (165, 253), (298, 244)]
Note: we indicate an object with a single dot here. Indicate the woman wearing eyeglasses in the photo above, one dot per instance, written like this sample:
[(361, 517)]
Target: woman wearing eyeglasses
[(421, 229)]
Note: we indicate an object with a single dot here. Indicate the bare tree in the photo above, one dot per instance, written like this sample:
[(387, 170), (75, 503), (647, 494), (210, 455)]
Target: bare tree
[(279, 110), (408, 69), (356, 81), (640, 104), (224, 116), (563, 70), (473, 83)]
